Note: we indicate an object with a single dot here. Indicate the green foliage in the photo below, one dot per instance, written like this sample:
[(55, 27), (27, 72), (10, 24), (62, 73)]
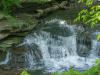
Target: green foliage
[(39, 1), (27, 22), (95, 70), (90, 15), (88, 2), (6, 5), (24, 73), (98, 37), (15, 23), (97, 61)]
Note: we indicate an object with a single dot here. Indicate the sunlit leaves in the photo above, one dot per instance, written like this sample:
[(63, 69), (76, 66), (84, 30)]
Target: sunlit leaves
[(83, 16), (88, 2), (98, 60), (98, 37), (81, 1), (84, 12), (24, 73), (97, 7), (90, 15)]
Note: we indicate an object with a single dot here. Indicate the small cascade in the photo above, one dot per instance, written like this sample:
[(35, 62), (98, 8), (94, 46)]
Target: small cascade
[(34, 57), (95, 46), (6, 59), (54, 47)]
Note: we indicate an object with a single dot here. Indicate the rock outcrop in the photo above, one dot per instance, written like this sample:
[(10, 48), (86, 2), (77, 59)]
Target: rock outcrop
[(13, 30)]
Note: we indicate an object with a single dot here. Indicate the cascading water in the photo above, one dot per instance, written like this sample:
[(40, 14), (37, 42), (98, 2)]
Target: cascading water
[(57, 46), (95, 46), (7, 59), (54, 47)]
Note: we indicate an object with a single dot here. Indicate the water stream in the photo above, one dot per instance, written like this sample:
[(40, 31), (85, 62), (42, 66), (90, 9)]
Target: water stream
[(54, 47)]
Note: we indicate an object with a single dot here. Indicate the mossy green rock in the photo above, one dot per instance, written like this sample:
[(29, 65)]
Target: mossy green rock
[(12, 30)]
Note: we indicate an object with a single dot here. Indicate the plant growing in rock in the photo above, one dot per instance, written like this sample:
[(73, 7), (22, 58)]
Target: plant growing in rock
[(90, 14), (6, 5), (5, 10)]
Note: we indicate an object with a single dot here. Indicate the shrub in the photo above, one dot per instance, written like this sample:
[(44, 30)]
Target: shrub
[(6, 5)]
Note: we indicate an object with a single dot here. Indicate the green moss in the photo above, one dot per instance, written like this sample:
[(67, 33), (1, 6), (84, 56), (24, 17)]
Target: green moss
[(16, 28), (21, 23), (37, 1), (7, 43)]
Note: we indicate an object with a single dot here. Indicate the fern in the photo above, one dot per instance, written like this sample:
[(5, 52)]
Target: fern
[(7, 4)]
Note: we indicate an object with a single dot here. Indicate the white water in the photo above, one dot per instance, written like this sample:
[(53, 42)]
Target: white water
[(58, 53), (6, 60)]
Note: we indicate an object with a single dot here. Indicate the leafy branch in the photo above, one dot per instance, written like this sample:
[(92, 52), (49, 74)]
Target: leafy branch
[(7, 4), (90, 15)]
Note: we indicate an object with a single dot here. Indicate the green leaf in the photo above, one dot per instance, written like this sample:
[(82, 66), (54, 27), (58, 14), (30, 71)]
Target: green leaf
[(98, 61), (98, 37), (25, 73), (89, 2)]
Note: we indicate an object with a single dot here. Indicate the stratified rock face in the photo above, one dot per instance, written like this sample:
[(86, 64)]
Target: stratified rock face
[(3, 35), (10, 72), (2, 55), (36, 0), (12, 30)]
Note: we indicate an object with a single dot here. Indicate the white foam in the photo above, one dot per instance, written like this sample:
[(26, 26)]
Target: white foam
[(60, 54)]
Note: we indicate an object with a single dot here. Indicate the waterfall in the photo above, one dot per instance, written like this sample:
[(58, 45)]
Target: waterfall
[(7, 59), (54, 47), (95, 45)]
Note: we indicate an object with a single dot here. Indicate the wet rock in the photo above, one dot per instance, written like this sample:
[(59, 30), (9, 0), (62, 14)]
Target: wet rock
[(5, 67), (22, 22), (83, 50), (56, 27), (8, 42), (1, 16), (83, 44), (18, 50), (18, 58), (98, 48), (10, 72), (4, 26), (2, 55)]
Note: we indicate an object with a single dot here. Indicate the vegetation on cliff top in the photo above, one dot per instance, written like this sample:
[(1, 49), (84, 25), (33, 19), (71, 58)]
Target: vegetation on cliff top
[(90, 14)]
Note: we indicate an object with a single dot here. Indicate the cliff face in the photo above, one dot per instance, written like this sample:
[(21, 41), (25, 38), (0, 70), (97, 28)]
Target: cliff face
[(24, 19), (13, 30)]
